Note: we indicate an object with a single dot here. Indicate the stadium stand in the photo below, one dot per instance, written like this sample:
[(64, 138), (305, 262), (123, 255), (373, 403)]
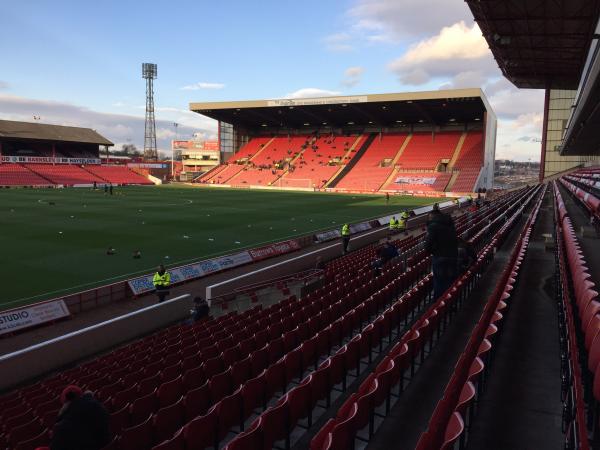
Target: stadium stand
[(387, 380), (573, 294), (18, 175), (371, 171), (201, 381), (341, 162), (321, 160), (234, 164), (447, 425), (269, 164), (116, 174), (468, 163), (66, 174), (419, 182), (465, 180), (426, 150)]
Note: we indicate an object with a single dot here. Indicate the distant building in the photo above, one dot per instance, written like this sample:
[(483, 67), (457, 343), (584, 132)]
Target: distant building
[(197, 156)]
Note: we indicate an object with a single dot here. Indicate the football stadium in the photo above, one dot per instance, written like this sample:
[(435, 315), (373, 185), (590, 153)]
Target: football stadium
[(334, 271)]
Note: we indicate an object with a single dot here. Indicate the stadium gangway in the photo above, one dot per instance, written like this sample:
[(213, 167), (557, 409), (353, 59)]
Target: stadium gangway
[(303, 278)]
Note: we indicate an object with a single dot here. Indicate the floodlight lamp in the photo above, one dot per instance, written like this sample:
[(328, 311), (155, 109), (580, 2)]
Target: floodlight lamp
[(149, 70)]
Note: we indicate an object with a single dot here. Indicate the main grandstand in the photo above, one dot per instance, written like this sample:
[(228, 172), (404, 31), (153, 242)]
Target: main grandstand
[(41, 155), (423, 142)]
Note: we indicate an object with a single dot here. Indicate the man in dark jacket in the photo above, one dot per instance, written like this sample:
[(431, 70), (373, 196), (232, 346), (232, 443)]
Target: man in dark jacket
[(82, 422), (441, 242), (466, 255)]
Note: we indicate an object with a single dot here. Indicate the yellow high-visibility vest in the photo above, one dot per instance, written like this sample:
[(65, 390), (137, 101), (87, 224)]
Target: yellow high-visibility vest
[(392, 224), (161, 280), (345, 230)]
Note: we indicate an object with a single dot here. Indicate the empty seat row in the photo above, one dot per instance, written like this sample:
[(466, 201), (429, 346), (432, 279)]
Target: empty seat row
[(572, 395), (377, 389), (447, 428)]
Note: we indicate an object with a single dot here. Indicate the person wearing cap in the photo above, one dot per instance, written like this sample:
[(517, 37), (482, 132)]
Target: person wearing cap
[(82, 422)]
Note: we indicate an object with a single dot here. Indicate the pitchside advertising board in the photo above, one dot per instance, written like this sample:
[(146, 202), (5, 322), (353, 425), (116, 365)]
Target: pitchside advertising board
[(29, 316), (49, 160), (178, 274)]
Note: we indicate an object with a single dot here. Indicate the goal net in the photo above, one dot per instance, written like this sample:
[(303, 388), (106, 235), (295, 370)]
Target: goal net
[(303, 183)]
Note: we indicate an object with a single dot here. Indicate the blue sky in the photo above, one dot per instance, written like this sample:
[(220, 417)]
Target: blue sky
[(79, 63)]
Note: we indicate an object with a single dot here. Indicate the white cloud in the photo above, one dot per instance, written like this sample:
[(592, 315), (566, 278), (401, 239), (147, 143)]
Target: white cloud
[(391, 20), (311, 92), (352, 76), (447, 54), (520, 139), (203, 85), (116, 127), (512, 102), (338, 42)]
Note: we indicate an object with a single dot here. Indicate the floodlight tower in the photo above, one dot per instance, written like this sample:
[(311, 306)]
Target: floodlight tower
[(149, 74)]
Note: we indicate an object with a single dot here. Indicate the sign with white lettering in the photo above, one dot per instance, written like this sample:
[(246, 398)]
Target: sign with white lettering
[(144, 284), (48, 160), (317, 101), (29, 316)]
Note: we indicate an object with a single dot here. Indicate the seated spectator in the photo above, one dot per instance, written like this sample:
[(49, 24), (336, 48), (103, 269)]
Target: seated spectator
[(466, 255), (201, 309), (82, 422)]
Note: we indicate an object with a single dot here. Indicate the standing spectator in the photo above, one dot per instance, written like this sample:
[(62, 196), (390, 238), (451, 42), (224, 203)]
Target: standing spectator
[(111, 189), (82, 422), (387, 197), (161, 281), (105, 188), (441, 242), (345, 237), (393, 225)]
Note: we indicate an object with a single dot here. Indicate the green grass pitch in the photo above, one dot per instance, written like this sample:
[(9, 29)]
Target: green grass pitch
[(54, 241)]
